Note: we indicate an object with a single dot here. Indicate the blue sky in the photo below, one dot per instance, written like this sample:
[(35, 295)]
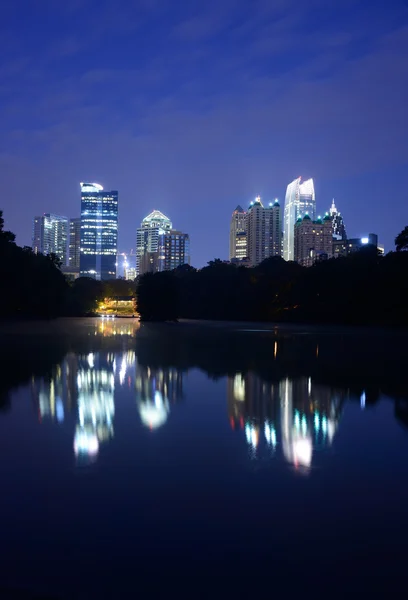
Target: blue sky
[(194, 107)]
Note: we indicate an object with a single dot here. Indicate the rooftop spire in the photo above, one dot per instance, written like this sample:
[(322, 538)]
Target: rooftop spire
[(333, 209)]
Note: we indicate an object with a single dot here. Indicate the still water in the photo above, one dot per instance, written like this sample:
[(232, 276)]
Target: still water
[(138, 460)]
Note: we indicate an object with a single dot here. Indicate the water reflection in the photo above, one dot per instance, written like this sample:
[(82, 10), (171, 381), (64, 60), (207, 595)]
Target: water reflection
[(296, 414), (280, 411)]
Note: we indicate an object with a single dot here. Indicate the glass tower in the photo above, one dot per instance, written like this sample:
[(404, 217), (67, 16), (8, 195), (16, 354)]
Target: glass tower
[(299, 200), (99, 232), (50, 236), (147, 240)]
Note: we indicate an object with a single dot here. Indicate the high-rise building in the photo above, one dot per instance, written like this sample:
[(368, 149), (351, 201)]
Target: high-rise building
[(50, 236), (299, 200), (313, 240), (339, 230), (159, 247), (174, 250), (238, 234), (147, 241), (99, 232), (74, 243), (273, 229), (264, 231)]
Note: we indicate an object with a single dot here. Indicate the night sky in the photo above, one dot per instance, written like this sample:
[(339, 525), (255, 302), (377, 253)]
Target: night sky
[(192, 107)]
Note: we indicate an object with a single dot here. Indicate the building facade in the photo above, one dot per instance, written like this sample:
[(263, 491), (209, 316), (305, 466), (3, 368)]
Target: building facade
[(299, 200), (339, 229), (74, 244), (264, 231), (313, 240), (50, 236), (238, 234), (99, 232), (174, 250), (159, 247)]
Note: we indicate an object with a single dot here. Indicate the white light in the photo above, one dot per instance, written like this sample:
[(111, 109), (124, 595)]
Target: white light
[(364, 240), (85, 443), (302, 452), (363, 400), (91, 360)]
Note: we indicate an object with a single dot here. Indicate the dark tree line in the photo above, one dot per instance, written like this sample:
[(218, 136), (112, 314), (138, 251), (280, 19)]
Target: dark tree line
[(363, 288)]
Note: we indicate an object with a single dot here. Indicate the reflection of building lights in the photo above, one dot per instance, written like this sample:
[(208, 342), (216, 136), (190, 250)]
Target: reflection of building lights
[(154, 413), (302, 451), (275, 349), (91, 360), (324, 425), (85, 442), (270, 434), (317, 421), (363, 400), (239, 387)]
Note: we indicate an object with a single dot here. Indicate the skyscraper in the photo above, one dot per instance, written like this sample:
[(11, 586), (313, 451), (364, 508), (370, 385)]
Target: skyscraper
[(274, 229), (339, 230), (158, 246), (147, 241), (264, 231), (174, 250), (299, 200), (313, 240), (50, 236), (99, 232), (74, 243), (238, 234)]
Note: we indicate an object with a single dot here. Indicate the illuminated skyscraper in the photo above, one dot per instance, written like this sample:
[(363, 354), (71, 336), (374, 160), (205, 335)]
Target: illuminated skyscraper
[(174, 250), (158, 246), (299, 200), (147, 241), (74, 243), (238, 234), (264, 231), (339, 230), (99, 232), (50, 236)]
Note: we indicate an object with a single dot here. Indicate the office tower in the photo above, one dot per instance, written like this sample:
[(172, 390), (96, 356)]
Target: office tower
[(74, 243), (274, 229), (50, 236), (339, 230), (264, 231), (99, 232), (173, 250), (299, 200), (313, 240), (147, 241), (238, 235)]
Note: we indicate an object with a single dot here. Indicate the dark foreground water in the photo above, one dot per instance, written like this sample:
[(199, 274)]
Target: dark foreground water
[(191, 461)]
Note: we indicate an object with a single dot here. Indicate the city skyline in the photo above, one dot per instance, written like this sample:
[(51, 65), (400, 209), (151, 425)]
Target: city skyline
[(300, 199), (220, 104)]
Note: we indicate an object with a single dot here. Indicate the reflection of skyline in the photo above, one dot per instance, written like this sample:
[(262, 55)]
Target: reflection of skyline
[(299, 415), (156, 389), (96, 408), (85, 386)]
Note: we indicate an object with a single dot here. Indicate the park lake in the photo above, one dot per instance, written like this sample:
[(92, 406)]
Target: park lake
[(185, 454)]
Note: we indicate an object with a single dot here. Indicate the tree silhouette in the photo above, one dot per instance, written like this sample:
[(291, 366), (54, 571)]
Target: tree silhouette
[(401, 241)]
